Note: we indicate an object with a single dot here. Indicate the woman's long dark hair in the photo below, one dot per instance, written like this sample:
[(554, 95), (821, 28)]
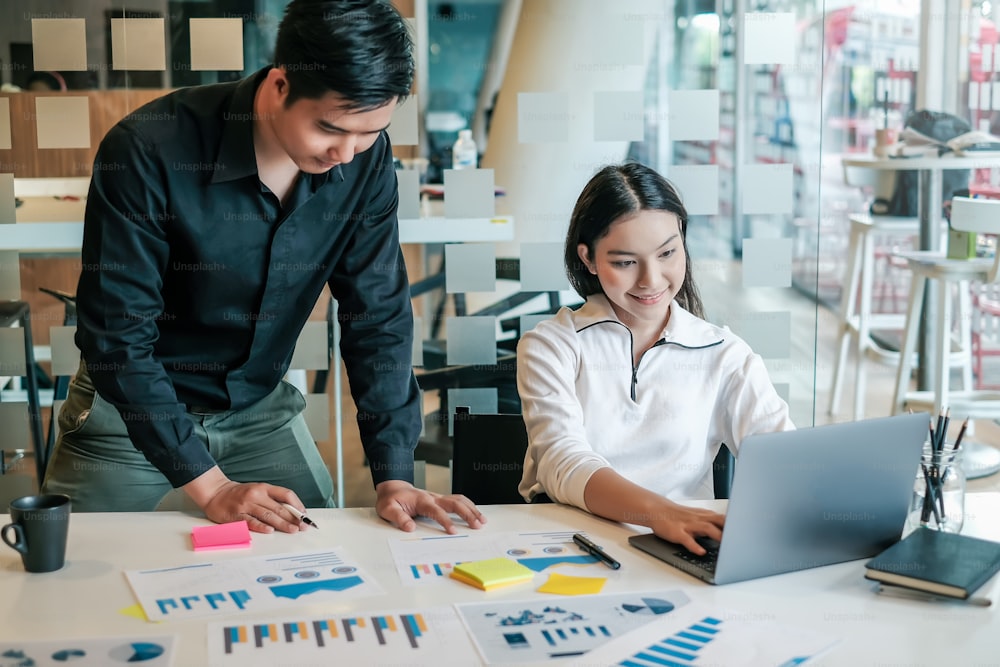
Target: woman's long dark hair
[(616, 191)]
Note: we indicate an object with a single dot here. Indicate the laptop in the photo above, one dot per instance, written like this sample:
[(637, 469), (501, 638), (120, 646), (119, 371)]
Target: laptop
[(810, 497)]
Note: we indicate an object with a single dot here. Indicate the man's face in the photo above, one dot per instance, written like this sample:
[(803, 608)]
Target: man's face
[(319, 134)]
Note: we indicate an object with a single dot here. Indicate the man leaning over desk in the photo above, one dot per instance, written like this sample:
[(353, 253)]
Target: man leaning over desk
[(215, 217)]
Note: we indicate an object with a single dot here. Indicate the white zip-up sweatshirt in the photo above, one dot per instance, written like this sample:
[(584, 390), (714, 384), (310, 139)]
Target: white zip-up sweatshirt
[(659, 424)]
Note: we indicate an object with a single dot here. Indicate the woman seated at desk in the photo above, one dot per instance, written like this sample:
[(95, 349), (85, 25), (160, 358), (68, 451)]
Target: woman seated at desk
[(628, 399)]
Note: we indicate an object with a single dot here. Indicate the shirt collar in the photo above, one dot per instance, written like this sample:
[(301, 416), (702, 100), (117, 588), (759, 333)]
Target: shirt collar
[(683, 328), (236, 157)]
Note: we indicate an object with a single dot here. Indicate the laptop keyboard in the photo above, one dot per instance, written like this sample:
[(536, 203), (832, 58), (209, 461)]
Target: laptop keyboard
[(705, 562)]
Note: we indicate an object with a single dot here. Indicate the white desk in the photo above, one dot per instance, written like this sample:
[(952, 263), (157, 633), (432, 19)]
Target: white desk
[(47, 224), (83, 599)]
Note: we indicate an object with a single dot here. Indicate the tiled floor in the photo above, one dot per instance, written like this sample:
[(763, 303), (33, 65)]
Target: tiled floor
[(813, 334)]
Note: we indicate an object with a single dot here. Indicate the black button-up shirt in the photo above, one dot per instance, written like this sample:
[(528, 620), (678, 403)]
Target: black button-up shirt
[(197, 281)]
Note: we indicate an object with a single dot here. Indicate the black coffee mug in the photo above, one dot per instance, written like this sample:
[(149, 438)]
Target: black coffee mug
[(39, 525)]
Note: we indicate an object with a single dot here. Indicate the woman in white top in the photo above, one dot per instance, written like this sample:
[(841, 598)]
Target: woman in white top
[(628, 399)]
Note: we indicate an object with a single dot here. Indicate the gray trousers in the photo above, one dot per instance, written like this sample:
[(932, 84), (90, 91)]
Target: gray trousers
[(95, 463)]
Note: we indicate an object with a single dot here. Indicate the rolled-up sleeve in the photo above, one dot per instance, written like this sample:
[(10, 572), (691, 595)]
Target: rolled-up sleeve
[(376, 317), (124, 256)]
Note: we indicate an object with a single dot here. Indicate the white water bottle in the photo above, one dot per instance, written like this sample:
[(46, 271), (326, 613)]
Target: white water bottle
[(463, 153)]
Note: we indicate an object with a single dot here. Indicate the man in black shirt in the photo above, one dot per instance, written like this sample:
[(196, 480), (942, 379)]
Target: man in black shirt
[(216, 215)]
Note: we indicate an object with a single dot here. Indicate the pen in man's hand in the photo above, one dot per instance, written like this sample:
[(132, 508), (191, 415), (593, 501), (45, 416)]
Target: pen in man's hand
[(595, 550), (300, 515)]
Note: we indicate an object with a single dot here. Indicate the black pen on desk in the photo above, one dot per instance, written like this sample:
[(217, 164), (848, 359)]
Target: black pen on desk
[(300, 515), (595, 550)]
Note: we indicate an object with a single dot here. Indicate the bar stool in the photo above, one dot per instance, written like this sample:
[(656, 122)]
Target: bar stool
[(857, 321), (971, 215)]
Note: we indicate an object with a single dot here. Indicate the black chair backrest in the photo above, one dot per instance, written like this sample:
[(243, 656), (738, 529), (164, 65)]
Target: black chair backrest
[(488, 457), (723, 468)]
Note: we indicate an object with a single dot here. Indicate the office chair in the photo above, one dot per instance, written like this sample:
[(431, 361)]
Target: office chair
[(435, 445), (489, 459), (723, 467)]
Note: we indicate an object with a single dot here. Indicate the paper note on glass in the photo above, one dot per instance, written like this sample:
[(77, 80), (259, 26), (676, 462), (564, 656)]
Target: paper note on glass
[(544, 628), (701, 635), (259, 583), (431, 636)]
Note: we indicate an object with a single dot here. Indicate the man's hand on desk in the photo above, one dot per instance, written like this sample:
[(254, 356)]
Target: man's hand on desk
[(398, 502), (224, 500)]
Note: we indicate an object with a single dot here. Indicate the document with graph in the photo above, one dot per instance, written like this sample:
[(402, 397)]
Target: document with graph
[(424, 560), (542, 629), (700, 635), (431, 636), (256, 583), (151, 651)]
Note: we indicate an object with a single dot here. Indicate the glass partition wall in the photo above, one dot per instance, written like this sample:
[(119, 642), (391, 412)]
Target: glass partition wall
[(748, 106)]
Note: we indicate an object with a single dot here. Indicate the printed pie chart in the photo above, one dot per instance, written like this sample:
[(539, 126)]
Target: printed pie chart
[(651, 606), (68, 654), (136, 652)]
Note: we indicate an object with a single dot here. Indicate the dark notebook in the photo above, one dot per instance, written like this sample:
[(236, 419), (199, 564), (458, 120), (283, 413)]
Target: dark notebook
[(937, 562)]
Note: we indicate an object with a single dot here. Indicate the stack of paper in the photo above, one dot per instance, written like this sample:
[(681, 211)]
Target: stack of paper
[(492, 573)]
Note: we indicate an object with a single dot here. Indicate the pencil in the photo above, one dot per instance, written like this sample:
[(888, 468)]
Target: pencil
[(961, 434), (943, 435), (937, 431)]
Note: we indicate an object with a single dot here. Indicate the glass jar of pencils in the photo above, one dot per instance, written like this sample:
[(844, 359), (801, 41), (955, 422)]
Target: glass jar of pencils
[(938, 499)]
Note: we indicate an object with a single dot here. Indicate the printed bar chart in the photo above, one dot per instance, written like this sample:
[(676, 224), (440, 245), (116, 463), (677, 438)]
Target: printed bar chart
[(321, 632), (678, 649), (552, 637), (424, 570), (412, 636), (215, 600)]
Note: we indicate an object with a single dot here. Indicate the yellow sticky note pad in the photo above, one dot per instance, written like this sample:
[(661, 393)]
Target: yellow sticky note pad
[(561, 584), (492, 573), (135, 611)]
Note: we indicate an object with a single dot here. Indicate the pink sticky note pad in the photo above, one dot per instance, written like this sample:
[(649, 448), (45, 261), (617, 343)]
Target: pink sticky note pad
[(235, 535)]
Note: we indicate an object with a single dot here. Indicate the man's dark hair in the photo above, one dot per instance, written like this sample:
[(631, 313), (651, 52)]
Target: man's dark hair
[(359, 49)]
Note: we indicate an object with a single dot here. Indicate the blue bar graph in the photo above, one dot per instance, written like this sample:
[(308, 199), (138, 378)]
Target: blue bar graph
[(567, 634), (190, 602), (680, 649)]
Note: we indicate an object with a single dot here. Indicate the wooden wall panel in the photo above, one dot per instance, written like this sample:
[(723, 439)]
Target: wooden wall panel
[(25, 160)]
